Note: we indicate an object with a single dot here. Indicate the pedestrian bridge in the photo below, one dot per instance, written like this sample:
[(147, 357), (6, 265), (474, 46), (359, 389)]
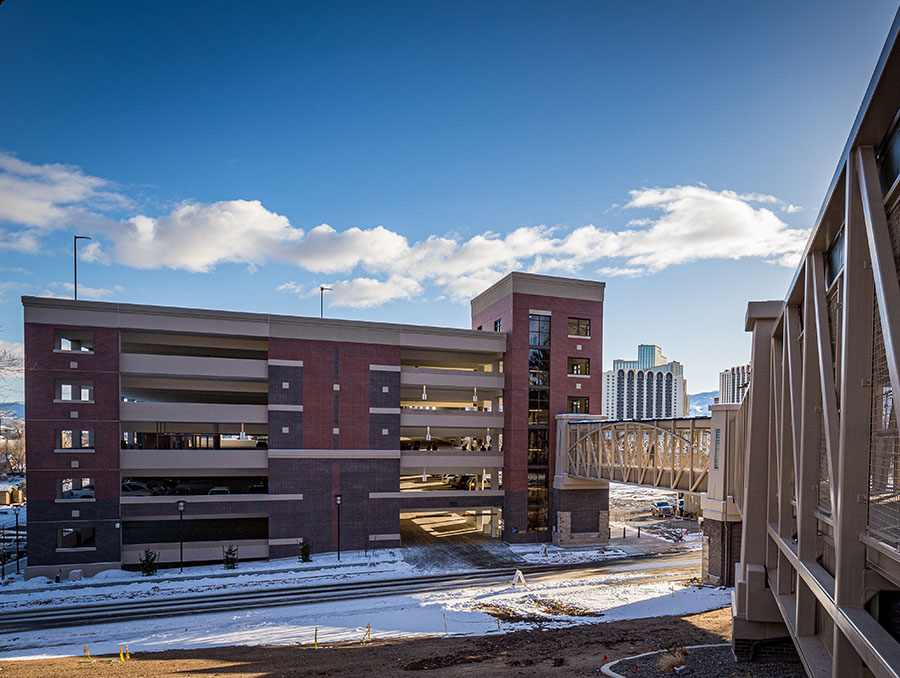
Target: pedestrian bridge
[(671, 454)]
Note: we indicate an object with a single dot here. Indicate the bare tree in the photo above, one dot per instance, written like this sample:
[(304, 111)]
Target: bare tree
[(12, 438), (12, 448), (12, 361)]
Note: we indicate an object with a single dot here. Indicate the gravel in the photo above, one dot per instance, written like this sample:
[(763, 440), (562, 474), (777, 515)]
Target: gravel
[(713, 662)]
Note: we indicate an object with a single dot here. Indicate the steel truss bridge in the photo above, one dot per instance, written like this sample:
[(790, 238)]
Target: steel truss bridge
[(670, 454)]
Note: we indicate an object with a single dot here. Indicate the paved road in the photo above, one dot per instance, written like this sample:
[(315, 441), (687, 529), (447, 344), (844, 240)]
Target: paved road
[(57, 617)]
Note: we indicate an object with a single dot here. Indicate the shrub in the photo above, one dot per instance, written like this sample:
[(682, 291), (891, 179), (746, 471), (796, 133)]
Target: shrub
[(149, 563), (672, 658), (305, 555), (230, 557)]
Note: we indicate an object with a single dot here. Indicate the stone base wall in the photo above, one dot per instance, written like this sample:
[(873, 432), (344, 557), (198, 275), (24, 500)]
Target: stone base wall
[(563, 535)]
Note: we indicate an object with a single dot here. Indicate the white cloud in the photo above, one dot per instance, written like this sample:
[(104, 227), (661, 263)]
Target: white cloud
[(196, 237), (64, 290), (35, 199), (368, 266)]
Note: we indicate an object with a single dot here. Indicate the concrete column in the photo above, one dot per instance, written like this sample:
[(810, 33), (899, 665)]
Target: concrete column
[(756, 616)]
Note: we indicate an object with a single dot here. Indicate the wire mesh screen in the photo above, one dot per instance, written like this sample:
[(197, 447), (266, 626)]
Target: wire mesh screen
[(824, 500), (835, 330), (884, 448)]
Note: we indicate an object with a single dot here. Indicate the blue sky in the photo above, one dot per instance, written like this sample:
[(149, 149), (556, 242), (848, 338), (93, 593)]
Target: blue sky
[(678, 151)]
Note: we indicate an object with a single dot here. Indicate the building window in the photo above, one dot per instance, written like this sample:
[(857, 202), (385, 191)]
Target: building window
[(75, 488), (78, 392), (539, 330), (538, 367), (76, 538), (538, 447), (538, 407), (497, 325), (716, 455), (580, 367), (579, 327), (73, 439), (537, 519), (579, 405), (80, 341)]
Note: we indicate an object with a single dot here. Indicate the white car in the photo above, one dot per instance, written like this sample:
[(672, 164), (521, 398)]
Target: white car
[(219, 490)]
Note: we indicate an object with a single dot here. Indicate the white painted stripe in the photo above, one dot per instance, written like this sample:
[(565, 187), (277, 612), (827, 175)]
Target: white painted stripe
[(384, 410), (435, 493), (285, 541), (539, 312), (285, 408), (384, 537), (209, 499), (334, 454), (285, 363), (384, 368)]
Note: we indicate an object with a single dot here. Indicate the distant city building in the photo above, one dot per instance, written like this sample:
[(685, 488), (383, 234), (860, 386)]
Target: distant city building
[(647, 388), (733, 384)]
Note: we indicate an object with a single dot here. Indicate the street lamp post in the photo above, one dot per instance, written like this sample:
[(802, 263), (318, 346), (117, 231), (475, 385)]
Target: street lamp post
[(181, 535), (337, 501), (322, 291), (75, 239), (16, 510)]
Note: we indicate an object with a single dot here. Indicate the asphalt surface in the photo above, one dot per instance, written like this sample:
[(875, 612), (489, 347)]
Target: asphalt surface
[(174, 606)]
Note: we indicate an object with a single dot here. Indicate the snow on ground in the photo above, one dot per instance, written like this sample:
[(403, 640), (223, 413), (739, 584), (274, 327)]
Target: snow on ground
[(8, 516), (553, 555), (553, 602), (114, 585)]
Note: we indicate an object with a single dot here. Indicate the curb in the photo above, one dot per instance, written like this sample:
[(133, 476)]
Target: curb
[(606, 669)]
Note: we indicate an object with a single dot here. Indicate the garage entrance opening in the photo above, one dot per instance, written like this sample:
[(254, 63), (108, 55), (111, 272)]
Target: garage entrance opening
[(446, 527)]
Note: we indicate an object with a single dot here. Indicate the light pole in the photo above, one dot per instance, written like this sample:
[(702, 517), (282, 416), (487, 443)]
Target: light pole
[(75, 239), (181, 535), (322, 291), (337, 501), (16, 510)]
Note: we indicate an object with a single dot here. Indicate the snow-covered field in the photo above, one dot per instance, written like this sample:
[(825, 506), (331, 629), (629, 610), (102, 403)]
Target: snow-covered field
[(8, 516), (470, 611), (113, 585)]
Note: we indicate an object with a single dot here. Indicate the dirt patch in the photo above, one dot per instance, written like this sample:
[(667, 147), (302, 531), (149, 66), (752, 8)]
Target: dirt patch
[(559, 609), (508, 615), (575, 651)]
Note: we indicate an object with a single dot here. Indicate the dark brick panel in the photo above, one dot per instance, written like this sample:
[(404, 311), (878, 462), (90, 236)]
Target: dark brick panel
[(378, 381), (169, 509), (319, 480), (278, 375), (169, 531), (293, 439), (377, 424), (42, 540), (584, 506), (724, 548), (770, 649), (42, 510)]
